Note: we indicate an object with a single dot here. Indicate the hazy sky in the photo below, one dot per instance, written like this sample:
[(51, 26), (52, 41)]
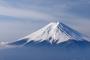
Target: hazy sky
[(19, 18)]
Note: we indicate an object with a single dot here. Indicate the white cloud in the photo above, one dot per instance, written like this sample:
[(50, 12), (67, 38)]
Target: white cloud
[(22, 13)]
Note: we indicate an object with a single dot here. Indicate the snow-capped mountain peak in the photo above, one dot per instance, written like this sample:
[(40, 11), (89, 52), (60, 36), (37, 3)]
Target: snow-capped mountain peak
[(54, 32)]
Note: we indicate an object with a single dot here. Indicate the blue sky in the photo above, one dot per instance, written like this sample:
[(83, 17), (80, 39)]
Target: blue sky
[(18, 18)]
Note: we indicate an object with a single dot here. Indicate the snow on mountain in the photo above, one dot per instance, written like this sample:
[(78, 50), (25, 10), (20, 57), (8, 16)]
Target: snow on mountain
[(53, 33)]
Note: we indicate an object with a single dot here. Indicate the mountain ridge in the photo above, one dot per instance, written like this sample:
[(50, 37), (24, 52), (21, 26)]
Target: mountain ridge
[(53, 33)]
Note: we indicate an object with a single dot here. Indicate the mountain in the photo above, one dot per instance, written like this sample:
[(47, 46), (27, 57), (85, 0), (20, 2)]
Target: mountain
[(56, 41), (54, 33)]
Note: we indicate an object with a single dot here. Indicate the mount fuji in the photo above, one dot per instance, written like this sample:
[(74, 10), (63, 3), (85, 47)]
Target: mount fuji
[(55, 41), (54, 34)]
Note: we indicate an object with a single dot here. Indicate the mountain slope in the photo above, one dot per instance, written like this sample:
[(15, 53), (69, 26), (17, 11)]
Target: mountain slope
[(53, 33)]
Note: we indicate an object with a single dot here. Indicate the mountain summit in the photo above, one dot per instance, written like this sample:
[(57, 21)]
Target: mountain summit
[(54, 32)]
